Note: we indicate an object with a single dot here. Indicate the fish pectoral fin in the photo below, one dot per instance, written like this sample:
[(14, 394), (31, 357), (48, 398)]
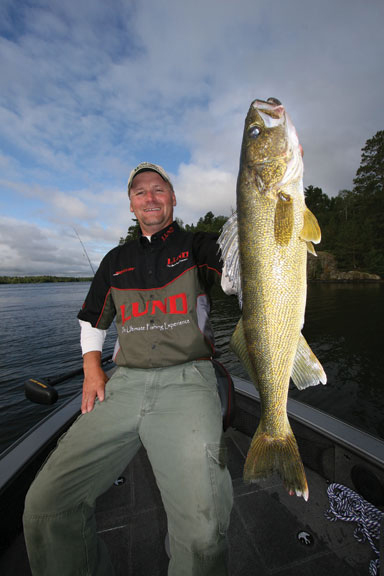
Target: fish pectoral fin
[(307, 370), (239, 346), (311, 230), (284, 219), (311, 248)]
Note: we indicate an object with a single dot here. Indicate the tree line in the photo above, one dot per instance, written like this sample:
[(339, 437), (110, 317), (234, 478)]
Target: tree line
[(41, 279), (352, 223), (207, 223)]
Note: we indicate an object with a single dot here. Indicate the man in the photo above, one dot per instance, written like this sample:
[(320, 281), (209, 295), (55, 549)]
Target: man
[(163, 396)]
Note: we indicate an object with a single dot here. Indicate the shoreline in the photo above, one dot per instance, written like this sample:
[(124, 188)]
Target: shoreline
[(351, 280), (43, 279), (6, 280)]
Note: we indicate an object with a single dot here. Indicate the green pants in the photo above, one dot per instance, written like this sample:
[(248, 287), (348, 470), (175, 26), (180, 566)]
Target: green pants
[(175, 413)]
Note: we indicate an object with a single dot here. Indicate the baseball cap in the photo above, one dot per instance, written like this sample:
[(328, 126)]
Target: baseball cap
[(145, 167)]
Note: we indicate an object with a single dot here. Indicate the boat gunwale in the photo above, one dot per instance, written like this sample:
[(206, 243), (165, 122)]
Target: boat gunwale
[(356, 440), (17, 456)]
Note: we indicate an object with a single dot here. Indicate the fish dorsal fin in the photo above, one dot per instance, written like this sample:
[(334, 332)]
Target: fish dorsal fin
[(284, 218), (229, 246), (311, 230), (307, 370)]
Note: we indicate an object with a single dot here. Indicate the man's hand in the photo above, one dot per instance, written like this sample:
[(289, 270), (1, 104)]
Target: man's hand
[(95, 380)]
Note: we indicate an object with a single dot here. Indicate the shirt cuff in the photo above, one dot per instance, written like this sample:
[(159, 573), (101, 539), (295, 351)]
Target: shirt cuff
[(91, 339)]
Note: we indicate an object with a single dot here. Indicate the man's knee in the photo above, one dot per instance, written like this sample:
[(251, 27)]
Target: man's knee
[(207, 539), (204, 532), (41, 498), (204, 553), (49, 493)]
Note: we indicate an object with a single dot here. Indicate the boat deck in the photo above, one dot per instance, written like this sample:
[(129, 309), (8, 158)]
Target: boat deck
[(263, 532)]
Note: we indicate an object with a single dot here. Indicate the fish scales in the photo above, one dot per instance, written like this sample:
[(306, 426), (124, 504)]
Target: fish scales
[(274, 232)]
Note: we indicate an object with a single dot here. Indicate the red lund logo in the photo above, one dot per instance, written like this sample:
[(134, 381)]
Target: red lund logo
[(176, 304), (168, 233), (177, 259)]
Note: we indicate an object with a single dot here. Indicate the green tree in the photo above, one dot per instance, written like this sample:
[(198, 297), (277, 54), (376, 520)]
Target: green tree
[(333, 230), (316, 200), (134, 230), (208, 223), (370, 175), (352, 223), (320, 205), (369, 198), (132, 234)]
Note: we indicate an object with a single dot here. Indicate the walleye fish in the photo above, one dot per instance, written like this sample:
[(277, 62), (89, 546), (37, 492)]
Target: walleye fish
[(264, 248)]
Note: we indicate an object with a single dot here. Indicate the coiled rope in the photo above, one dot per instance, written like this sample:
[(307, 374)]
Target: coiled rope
[(347, 505)]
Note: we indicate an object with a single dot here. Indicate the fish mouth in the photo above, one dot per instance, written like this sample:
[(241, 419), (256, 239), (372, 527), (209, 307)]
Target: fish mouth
[(272, 107), (270, 101)]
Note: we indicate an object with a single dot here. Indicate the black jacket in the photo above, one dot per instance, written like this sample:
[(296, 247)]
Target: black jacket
[(159, 292)]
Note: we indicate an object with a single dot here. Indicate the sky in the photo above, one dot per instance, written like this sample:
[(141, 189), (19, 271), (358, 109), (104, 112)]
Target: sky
[(90, 88)]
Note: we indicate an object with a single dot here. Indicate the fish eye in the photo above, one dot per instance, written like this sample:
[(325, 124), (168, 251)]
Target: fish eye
[(254, 132)]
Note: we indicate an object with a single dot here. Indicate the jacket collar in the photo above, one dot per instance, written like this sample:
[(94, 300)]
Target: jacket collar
[(160, 236)]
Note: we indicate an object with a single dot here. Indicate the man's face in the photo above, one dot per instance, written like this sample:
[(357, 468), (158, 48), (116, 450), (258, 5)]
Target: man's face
[(152, 201)]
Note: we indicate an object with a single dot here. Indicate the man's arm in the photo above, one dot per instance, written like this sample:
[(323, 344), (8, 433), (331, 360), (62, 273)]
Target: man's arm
[(95, 379)]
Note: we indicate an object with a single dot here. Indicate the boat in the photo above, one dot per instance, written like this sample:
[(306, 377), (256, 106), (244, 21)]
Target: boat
[(271, 533)]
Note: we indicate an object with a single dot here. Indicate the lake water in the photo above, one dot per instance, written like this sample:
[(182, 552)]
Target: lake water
[(344, 327)]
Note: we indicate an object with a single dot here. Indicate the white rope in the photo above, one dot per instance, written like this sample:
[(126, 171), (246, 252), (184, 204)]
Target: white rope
[(347, 505)]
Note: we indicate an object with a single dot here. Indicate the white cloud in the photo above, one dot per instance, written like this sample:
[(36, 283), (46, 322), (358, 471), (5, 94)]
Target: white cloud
[(199, 190), (26, 248), (91, 88)]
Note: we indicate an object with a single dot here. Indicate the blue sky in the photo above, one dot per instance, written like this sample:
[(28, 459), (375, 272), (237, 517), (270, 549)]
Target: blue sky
[(90, 88)]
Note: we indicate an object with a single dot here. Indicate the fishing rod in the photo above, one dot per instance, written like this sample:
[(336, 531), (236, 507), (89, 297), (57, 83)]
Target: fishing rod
[(41, 390), (85, 250)]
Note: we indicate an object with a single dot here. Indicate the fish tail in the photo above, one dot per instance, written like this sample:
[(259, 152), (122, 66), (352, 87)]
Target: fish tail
[(268, 454)]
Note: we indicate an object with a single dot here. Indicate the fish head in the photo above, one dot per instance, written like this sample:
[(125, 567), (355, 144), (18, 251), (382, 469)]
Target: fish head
[(271, 152)]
